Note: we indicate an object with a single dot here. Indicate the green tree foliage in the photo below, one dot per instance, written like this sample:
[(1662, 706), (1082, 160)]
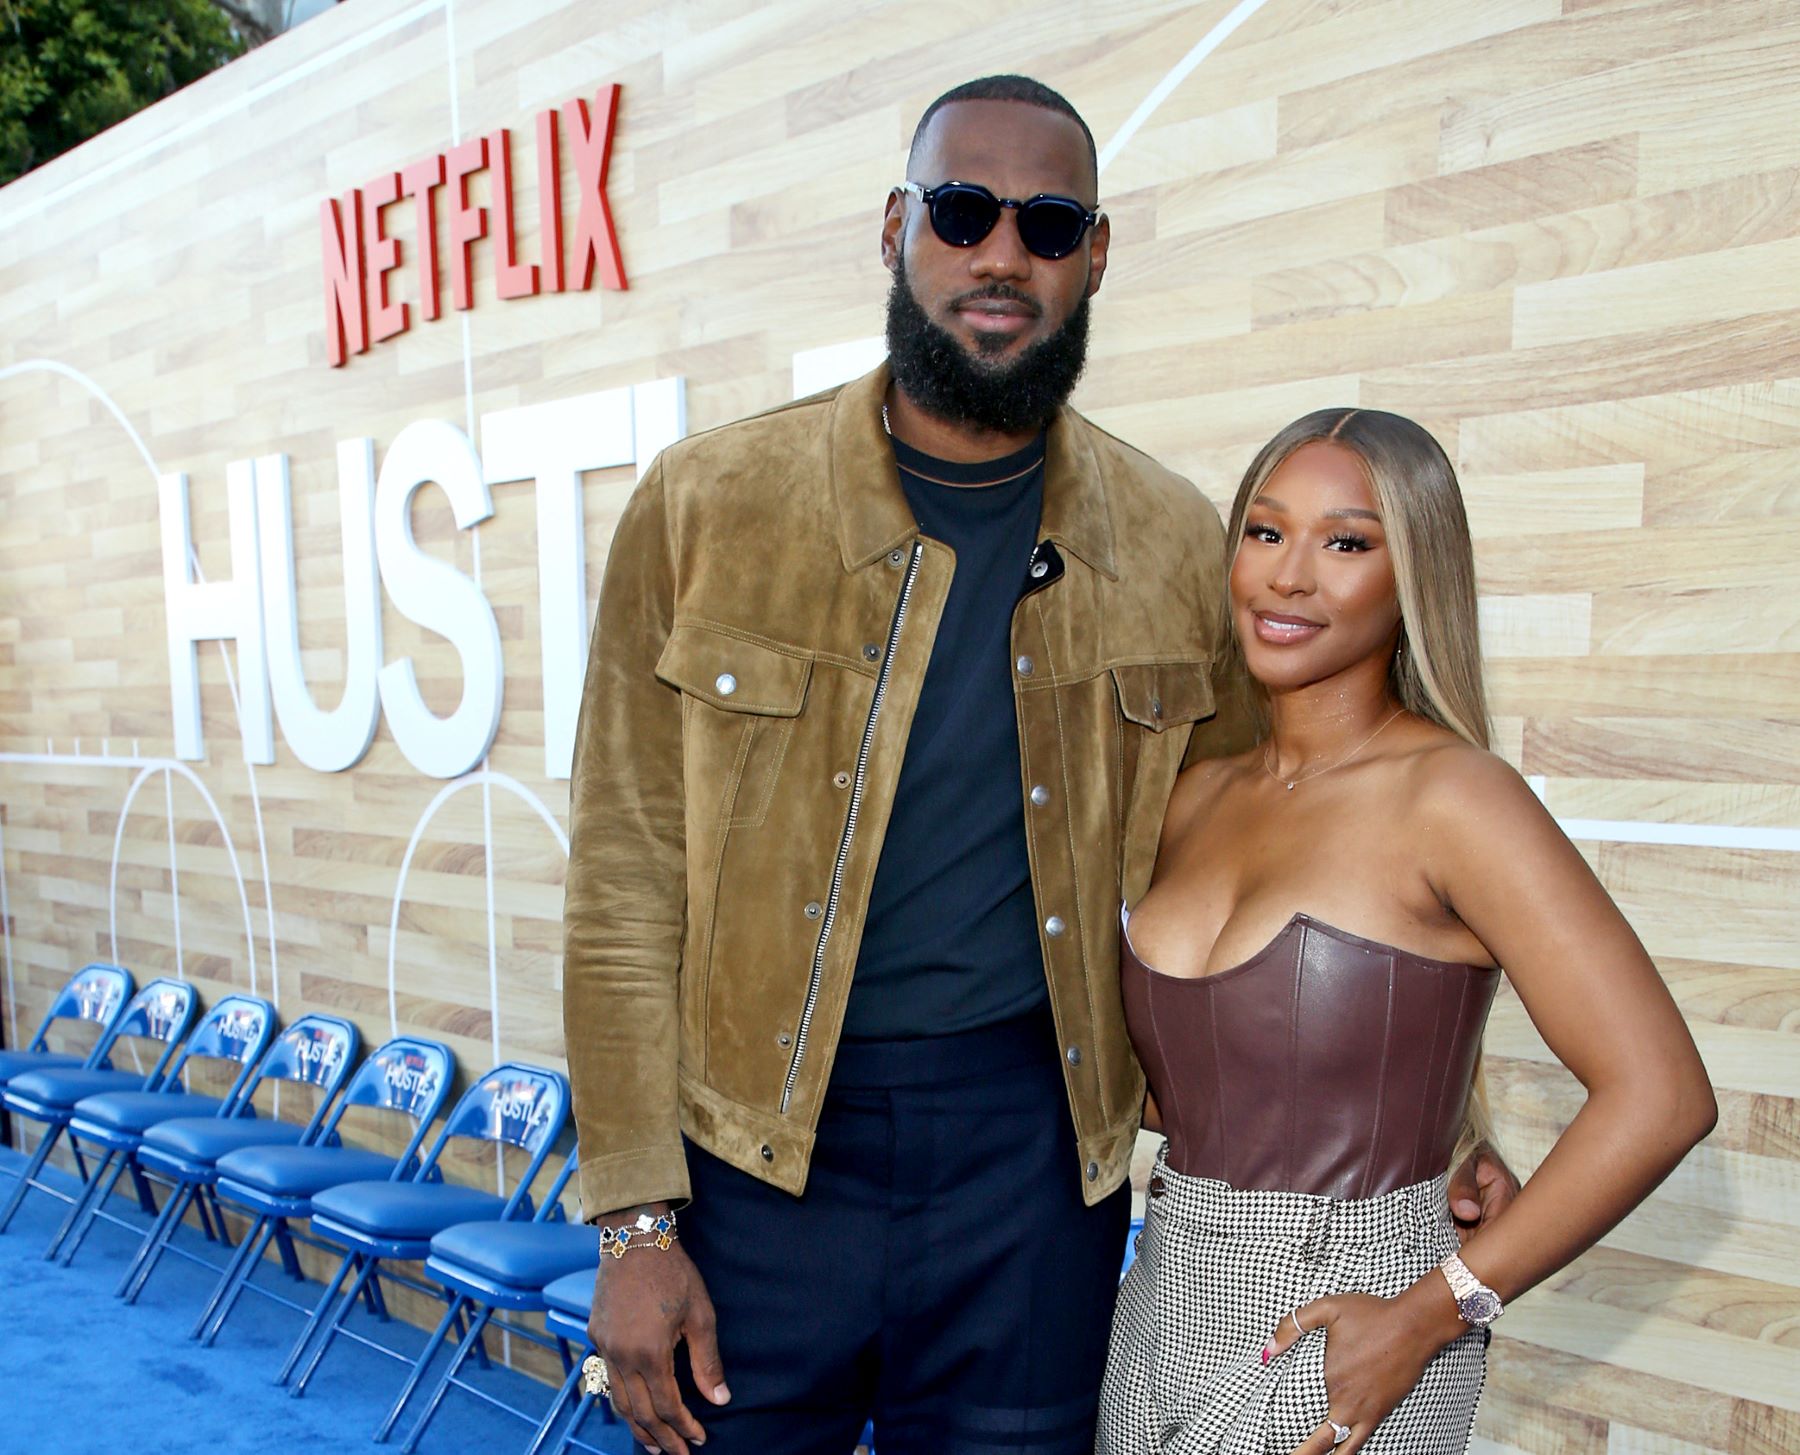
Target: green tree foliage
[(71, 68)]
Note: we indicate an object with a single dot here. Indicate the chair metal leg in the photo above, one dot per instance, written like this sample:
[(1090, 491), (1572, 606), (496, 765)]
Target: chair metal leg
[(376, 1301), (312, 1321), (248, 1251), (290, 1260), (91, 1214), (210, 1197), (557, 1406), (141, 1185), (106, 1172), (332, 1325), (583, 1408), (81, 1167), (426, 1355), (172, 1207), (28, 1178), (471, 1340), (481, 1352), (151, 1253)]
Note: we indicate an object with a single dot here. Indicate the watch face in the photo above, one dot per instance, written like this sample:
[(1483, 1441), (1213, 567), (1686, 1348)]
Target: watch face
[(1480, 1308)]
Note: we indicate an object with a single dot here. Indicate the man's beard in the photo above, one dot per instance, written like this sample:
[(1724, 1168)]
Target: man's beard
[(943, 378)]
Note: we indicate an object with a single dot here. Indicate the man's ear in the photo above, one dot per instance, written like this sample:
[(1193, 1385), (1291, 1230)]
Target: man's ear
[(1099, 240), (893, 218)]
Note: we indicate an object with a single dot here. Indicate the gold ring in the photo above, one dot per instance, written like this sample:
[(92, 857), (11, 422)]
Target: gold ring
[(594, 1380)]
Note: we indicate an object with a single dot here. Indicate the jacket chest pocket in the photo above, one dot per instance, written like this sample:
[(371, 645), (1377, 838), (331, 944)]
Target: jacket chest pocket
[(1163, 695), (739, 700), (1158, 704)]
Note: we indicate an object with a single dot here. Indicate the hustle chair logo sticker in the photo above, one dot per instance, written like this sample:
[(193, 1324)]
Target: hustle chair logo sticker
[(361, 257)]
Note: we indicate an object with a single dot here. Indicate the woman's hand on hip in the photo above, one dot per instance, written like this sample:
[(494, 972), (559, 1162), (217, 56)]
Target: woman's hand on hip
[(1376, 1350)]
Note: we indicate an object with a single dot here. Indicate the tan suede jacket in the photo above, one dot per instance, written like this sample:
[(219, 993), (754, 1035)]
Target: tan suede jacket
[(768, 611)]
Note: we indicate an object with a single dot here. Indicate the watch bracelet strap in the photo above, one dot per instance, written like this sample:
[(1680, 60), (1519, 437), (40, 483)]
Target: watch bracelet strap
[(1463, 1283)]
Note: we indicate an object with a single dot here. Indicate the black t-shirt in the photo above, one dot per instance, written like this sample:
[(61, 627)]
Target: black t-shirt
[(951, 942)]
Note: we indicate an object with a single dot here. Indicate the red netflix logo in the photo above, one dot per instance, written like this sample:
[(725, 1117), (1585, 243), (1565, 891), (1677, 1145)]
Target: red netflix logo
[(360, 256)]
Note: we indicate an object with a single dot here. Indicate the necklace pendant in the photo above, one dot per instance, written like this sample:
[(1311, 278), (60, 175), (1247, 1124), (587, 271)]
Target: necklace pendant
[(1289, 787)]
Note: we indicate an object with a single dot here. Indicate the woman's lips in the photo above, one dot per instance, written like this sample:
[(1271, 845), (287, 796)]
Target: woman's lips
[(1285, 631)]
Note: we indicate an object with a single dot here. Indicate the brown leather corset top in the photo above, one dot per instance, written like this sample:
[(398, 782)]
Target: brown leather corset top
[(1325, 1063)]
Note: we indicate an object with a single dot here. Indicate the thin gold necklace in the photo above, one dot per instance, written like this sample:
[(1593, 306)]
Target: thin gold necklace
[(958, 484), (1288, 783)]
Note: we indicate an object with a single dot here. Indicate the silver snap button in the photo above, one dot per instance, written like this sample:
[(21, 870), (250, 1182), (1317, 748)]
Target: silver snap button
[(1039, 570), (1026, 666), (1074, 1054), (768, 1155), (1040, 795), (725, 684), (1156, 707), (1054, 925), (784, 1039), (872, 651), (814, 909), (896, 557), (1093, 1169), (841, 778)]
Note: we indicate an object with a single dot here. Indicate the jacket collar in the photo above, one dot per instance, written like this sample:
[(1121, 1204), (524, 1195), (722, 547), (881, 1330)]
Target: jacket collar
[(874, 518)]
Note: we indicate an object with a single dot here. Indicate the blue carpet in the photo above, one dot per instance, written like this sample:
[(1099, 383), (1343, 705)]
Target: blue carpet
[(83, 1374)]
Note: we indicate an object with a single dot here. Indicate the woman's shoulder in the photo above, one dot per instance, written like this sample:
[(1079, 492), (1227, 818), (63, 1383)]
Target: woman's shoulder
[(1453, 785)]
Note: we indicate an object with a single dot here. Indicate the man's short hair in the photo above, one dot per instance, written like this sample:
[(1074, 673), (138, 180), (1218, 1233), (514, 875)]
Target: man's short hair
[(1005, 88)]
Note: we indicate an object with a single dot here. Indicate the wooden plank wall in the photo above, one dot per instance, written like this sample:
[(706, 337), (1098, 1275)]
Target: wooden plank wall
[(1563, 233)]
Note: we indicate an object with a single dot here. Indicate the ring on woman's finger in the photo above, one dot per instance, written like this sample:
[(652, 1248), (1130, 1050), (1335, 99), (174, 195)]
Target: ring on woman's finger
[(1339, 1433), (1299, 1329)]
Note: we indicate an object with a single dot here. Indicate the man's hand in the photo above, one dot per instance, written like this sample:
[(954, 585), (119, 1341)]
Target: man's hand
[(644, 1303), (1480, 1190)]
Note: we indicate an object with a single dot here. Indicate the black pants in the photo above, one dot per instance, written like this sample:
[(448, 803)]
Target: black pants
[(940, 1275)]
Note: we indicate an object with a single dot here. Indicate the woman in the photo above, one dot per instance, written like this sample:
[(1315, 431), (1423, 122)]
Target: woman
[(1306, 981)]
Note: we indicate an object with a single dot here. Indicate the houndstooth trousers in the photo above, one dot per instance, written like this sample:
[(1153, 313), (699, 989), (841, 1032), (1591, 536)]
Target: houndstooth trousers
[(1217, 1270)]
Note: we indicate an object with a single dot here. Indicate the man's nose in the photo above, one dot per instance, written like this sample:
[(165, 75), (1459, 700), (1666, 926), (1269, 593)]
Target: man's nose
[(1002, 253)]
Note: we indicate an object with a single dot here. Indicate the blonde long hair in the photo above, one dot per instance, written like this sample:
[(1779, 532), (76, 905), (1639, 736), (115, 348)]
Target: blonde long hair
[(1436, 669)]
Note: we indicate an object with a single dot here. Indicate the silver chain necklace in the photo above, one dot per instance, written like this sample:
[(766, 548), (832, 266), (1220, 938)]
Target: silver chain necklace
[(1288, 783)]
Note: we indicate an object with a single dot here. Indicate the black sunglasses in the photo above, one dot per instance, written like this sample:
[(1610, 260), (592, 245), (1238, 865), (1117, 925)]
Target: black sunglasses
[(963, 213)]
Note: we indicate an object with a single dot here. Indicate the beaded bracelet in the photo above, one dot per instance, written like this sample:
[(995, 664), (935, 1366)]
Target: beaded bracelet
[(645, 1231)]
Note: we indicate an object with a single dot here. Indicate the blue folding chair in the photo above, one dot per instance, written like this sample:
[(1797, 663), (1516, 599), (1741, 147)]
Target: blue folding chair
[(276, 1185), (161, 1012), (488, 1267), (568, 1304), (377, 1223), (235, 1031), (95, 993), (1132, 1236), (316, 1051)]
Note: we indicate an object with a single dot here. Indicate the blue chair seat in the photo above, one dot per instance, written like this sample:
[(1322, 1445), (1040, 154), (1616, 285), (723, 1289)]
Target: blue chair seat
[(572, 1294), (206, 1139), (17, 1063), (136, 1111), (301, 1171), (522, 1255), (62, 1086), (402, 1210)]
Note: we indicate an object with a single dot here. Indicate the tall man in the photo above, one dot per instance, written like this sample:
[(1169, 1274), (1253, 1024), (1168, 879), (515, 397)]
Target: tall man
[(887, 694)]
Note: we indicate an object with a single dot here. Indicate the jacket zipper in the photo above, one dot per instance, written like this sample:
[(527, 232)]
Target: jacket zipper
[(843, 853)]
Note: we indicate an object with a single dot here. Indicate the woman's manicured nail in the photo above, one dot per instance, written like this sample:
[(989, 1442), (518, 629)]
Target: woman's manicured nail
[(1266, 1352)]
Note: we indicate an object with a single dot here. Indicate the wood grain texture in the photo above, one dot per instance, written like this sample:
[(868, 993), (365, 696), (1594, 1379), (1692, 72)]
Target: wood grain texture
[(1565, 234)]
